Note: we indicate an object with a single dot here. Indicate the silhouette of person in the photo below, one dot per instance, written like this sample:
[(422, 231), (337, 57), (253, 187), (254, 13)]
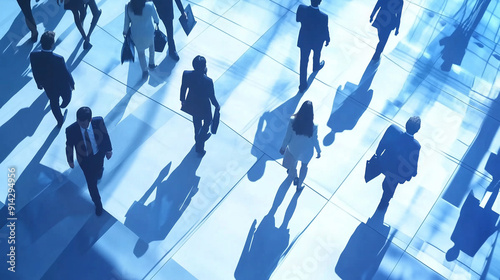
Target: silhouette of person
[(398, 153), (313, 32), (138, 15), (165, 10), (90, 139), (388, 18), (197, 103), (300, 140), (25, 6), (79, 10), (52, 75)]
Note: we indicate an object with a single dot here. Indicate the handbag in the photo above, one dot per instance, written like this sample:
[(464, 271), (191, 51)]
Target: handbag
[(160, 40), (373, 168), (128, 50), (215, 122)]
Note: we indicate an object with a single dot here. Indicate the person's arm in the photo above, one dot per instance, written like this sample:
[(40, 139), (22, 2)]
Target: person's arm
[(67, 74), (34, 70), (288, 136), (183, 87), (398, 18), (316, 142), (375, 9), (154, 14), (69, 149), (105, 137), (211, 95), (300, 13), (181, 8), (126, 24), (382, 145), (327, 32)]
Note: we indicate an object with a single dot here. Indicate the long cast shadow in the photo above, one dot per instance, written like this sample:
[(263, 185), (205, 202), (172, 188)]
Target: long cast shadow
[(365, 250), (154, 221), (346, 111), (270, 132), (267, 244), (22, 125)]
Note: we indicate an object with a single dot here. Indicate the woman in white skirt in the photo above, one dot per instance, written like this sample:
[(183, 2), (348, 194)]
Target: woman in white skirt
[(138, 15), (300, 140)]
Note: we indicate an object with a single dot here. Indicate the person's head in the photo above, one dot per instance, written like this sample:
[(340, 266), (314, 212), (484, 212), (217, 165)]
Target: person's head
[(47, 40), (137, 6), (315, 3), (413, 125), (303, 124), (83, 117), (200, 64)]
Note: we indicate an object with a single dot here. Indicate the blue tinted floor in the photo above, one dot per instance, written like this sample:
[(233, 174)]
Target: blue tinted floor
[(234, 214)]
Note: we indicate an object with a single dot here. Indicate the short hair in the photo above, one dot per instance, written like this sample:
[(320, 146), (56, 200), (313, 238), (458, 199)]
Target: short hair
[(413, 125), (84, 114), (315, 3), (47, 40), (199, 63)]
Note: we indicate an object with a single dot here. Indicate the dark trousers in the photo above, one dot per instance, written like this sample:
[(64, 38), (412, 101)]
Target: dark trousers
[(169, 26), (389, 186), (201, 126), (92, 168), (383, 36), (304, 60), (25, 6), (54, 104)]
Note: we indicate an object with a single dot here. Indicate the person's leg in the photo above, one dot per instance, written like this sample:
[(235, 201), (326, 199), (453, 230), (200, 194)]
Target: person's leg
[(172, 52), (66, 98), (389, 186), (152, 57), (203, 134), (197, 123), (96, 13), (25, 6), (142, 59), (302, 175), (89, 168), (56, 110), (317, 65), (78, 23), (304, 60), (383, 36)]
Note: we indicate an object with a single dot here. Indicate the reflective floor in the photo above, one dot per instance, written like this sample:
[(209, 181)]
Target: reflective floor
[(234, 214)]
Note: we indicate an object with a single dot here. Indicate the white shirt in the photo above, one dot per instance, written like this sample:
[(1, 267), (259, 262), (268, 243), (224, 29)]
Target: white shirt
[(93, 143)]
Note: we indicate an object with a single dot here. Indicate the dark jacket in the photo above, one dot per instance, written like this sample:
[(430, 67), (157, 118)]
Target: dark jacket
[(389, 14), (50, 73), (201, 93), (74, 139), (398, 152), (165, 8), (313, 28)]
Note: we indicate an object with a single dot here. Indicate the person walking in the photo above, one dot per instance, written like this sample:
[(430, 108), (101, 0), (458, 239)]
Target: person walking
[(300, 140)]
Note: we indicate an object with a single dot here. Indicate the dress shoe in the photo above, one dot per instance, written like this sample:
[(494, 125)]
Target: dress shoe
[(296, 181), (98, 211), (59, 124), (320, 66), (152, 66), (34, 36), (173, 55)]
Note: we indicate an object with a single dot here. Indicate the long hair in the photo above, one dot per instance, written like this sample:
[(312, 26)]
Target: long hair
[(137, 6), (303, 123)]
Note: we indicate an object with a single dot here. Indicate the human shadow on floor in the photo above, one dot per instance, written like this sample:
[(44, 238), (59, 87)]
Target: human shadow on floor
[(267, 244), (173, 195), (455, 45), (73, 61), (475, 224), (22, 125), (350, 103), (271, 130), (162, 72), (365, 250)]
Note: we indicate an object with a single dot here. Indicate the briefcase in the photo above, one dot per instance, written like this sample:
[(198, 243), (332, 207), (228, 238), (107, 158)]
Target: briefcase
[(373, 168), (160, 40), (215, 122), (128, 50), (190, 22)]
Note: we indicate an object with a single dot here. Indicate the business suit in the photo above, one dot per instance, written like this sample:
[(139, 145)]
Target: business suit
[(398, 152), (313, 32), (165, 10), (91, 164), (51, 74), (197, 103), (388, 18)]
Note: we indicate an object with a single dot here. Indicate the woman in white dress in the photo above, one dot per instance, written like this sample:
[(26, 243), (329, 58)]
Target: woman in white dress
[(300, 140), (138, 17)]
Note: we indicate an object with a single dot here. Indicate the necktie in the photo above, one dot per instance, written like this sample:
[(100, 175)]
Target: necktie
[(90, 151)]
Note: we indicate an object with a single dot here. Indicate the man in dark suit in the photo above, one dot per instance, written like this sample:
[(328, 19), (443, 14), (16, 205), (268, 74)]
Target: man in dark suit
[(398, 152), (313, 32), (197, 103), (51, 74), (89, 137), (165, 10), (388, 18)]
